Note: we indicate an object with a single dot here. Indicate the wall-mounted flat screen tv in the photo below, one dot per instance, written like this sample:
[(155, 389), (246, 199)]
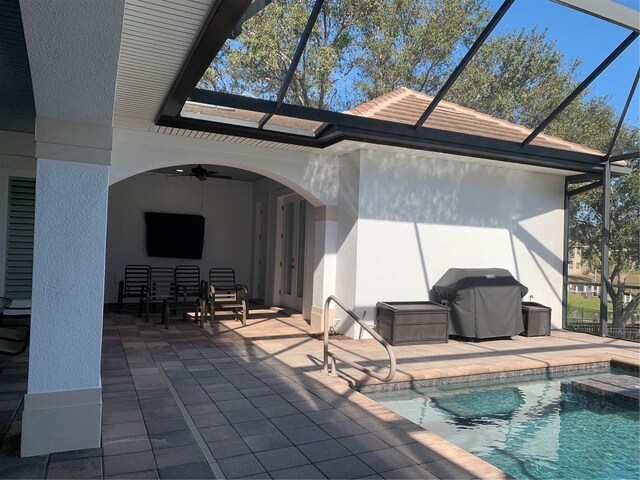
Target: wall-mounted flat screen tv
[(173, 235)]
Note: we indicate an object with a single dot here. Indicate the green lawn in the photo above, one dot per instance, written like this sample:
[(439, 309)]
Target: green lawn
[(578, 301)]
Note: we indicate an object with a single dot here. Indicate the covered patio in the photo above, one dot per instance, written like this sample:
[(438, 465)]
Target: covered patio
[(252, 402)]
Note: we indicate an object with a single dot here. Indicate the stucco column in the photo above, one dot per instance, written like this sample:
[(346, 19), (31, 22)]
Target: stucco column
[(63, 405), (324, 264)]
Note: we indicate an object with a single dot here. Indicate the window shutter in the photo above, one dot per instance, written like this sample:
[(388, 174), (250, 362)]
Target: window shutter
[(19, 265)]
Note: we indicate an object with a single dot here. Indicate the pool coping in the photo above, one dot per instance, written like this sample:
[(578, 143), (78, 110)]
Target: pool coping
[(596, 367)]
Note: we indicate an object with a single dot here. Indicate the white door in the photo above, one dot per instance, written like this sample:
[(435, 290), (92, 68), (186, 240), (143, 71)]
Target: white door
[(294, 226)]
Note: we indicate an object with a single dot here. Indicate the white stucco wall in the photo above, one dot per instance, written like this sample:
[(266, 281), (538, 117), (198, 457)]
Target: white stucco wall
[(68, 276), (417, 217), (312, 175), (227, 206)]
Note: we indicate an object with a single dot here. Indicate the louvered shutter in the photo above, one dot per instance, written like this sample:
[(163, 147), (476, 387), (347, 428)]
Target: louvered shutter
[(21, 208)]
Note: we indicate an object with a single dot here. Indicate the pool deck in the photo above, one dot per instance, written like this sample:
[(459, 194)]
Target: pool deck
[(253, 402)]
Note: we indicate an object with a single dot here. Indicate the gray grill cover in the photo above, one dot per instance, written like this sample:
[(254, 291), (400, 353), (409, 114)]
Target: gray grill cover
[(484, 302)]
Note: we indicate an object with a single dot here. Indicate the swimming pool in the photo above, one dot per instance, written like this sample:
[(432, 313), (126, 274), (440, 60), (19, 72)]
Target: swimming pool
[(535, 428)]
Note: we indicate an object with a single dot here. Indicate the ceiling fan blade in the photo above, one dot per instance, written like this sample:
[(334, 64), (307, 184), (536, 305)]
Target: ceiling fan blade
[(223, 177)]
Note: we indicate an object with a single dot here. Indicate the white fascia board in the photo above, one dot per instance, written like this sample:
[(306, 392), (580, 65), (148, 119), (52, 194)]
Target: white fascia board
[(607, 10)]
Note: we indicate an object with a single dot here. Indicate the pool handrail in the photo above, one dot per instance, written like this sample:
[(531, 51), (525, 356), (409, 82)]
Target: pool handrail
[(330, 355)]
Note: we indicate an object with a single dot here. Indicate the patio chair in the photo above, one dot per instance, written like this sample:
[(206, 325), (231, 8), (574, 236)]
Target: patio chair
[(222, 293), (14, 340), (186, 294), (161, 287), (12, 314), (135, 283), (188, 281)]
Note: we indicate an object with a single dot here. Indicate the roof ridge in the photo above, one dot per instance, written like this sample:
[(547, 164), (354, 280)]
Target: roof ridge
[(375, 105)]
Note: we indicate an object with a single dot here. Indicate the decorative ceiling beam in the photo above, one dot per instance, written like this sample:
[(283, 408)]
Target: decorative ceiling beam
[(223, 16), (465, 61), (580, 88), (302, 44)]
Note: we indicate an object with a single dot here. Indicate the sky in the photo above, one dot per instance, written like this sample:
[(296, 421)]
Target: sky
[(579, 35)]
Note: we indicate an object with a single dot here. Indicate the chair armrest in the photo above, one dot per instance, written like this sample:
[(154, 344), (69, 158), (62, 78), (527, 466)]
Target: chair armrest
[(243, 288)]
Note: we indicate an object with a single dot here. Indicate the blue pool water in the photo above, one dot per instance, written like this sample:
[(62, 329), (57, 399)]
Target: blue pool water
[(531, 429)]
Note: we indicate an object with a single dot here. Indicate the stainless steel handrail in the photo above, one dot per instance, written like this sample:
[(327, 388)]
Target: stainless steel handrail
[(330, 355)]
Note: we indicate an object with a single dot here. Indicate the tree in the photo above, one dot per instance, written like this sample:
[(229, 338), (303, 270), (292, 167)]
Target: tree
[(415, 40), (624, 245)]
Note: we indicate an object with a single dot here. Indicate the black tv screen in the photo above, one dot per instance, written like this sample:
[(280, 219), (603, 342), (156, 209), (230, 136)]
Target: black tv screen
[(173, 235)]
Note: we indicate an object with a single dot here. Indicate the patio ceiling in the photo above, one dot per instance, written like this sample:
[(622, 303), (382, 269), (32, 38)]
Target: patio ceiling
[(265, 119)]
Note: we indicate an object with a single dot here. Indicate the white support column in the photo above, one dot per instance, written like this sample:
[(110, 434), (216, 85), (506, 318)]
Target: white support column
[(324, 264), (63, 405)]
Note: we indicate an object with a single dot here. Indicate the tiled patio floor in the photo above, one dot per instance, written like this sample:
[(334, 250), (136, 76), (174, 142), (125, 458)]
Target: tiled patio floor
[(252, 401)]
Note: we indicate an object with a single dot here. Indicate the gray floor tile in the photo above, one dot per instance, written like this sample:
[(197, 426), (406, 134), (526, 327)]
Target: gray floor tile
[(414, 472), (118, 446), (195, 399), (373, 424), (232, 405), (195, 471), (346, 467), (119, 430), (278, 410), (144, 475), (161, 413), (385, 460), (221, 432), (228, 448), (394, 437), (327, 416), (210, 420), (266, 441), (447, 469), (255, 428), (241, 416), (314, 405), (79, 468), (76, 454), (281, 458), (291, 422), (366, 442), (168, 457), (232, 394), (418, 452), (129, 462), (240, 467), (267, 401), (346, 428), (257, 391), (122, 417), (325, 450), (202, 408), (300, 436), (171, 439), (32, 471), (302, 472), (167, 425)]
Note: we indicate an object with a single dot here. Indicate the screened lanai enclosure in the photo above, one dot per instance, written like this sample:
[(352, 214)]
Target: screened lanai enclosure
[(309, 85)]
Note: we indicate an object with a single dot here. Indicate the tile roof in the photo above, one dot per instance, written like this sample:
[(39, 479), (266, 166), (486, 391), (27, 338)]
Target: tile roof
[(405, 106)]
